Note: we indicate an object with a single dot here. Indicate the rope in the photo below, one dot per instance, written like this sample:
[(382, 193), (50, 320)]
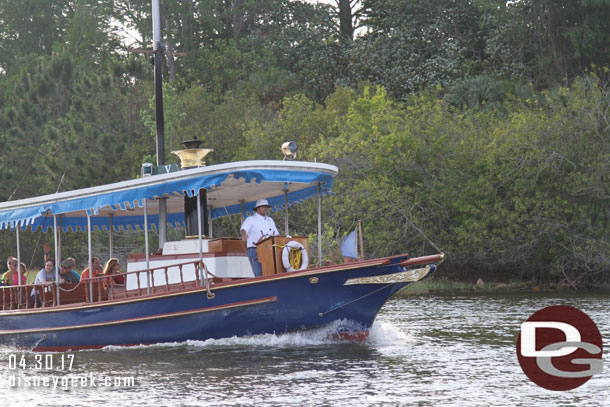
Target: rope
[(60, 181), (243, 245), (294, 257), (209, 294), (44, 223), (417, 228), (75, 287), (20, 183), (354, 300)]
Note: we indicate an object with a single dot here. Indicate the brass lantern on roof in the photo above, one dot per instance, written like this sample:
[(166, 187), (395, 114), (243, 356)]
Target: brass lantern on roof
[(192, 156)]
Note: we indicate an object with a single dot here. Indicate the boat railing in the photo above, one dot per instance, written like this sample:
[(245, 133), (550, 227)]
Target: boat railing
[(17, 297), (106, 287), (146, 280)]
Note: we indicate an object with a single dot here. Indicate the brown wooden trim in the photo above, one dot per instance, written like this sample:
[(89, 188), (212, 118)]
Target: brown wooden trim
[(422, 260)]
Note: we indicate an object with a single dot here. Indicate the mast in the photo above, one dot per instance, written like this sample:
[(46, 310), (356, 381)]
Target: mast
[(157, 52)]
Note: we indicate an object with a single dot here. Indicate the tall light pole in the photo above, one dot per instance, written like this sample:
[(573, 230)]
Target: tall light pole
[(157, 52)]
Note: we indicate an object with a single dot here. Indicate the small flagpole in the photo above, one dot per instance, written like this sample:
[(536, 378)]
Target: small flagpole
[(356, 243), (360, 238)]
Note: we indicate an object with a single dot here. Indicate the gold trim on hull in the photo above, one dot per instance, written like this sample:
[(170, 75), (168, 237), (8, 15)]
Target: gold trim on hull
[(409, 276)]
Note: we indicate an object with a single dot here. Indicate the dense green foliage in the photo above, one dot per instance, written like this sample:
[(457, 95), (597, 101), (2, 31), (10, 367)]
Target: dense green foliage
[(479, 128)]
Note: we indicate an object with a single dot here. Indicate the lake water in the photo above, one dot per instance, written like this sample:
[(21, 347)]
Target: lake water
[(428, 350)]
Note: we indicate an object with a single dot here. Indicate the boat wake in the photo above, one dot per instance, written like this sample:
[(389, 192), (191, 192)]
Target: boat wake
[(382, 333), (385, 333), (333, 333)]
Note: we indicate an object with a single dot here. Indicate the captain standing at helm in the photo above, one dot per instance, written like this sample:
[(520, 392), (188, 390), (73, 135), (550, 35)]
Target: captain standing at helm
[(255, 228)]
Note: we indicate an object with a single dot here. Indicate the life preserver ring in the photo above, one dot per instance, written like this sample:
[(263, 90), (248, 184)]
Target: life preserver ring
[(294, 245)]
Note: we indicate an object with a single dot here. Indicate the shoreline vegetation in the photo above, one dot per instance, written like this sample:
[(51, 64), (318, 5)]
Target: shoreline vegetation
[(443, 285), (480, 128)]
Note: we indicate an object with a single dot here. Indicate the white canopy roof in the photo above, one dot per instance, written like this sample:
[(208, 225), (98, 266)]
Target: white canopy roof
[(229, 186)]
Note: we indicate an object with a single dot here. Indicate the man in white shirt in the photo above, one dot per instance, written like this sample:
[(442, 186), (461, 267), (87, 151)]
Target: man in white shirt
[(256, 228), (45, 276)]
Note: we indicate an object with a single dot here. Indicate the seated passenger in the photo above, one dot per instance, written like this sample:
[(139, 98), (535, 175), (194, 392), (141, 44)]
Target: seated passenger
[(11, 277), (66, 273), (4, 276), (45, 276), (114, 267), (97, 269), (24, 273)]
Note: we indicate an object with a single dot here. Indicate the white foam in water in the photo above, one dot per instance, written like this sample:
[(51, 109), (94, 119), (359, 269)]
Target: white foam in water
[(381, 333), (321, 336), (385, 333), (136, 347)]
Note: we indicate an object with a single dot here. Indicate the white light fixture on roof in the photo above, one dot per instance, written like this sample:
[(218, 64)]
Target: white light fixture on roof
[(289, 149)]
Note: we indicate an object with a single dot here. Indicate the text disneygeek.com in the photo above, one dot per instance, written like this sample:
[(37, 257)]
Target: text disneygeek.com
[(16, 381)]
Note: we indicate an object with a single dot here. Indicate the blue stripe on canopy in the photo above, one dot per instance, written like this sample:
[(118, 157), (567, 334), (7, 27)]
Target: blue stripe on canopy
[(129, 196), (74, 223), (275, 202)]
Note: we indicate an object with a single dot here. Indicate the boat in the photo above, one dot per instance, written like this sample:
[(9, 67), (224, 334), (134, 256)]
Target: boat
[(202, 286)]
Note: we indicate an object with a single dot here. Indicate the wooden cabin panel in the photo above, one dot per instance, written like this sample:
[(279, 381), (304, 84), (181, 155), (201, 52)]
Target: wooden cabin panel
[(266, 256), (226, 244), (73, 293), (269, 252), (279, 247)]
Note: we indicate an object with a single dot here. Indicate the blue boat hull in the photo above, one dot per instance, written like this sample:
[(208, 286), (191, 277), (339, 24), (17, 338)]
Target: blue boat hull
[(274, 304)]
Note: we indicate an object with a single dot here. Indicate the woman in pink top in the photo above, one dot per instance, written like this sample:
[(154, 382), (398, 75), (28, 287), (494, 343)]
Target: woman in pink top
[(11, 277)]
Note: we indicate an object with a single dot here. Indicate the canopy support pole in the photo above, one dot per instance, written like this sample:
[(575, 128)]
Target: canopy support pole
[(58, 249), (18, 260), (146, 247), (204, 279), (243, 215), (319, 225), (162, 222), (91, 274), (56, 238), (18, 264), (110, 241), (211, 222), (285, 209), (361, 242)]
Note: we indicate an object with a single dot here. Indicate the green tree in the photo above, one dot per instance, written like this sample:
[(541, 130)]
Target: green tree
[(30, 26), (348, 12), (411, 45), (516, 195), (67, 129), (37, 26), (548, 42)]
